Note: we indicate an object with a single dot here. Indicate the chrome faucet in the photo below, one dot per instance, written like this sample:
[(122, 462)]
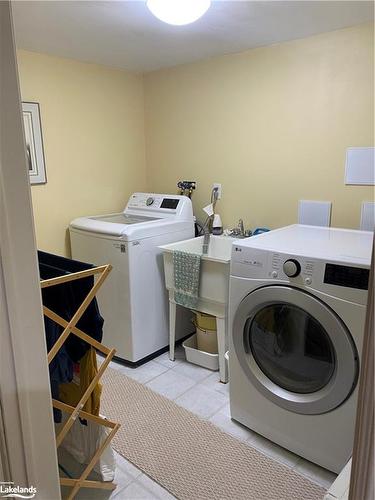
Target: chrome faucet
[(239, 231), (206, 242), (207, 235), (241, 227)]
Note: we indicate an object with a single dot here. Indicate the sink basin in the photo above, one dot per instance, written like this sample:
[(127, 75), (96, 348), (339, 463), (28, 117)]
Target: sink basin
[(214, 284), (219, 248)]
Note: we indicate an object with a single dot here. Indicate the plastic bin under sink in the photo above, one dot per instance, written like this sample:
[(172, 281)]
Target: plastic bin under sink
[(201, 358)]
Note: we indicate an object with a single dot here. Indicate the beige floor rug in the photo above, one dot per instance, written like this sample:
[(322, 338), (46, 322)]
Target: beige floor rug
[(192, 458)]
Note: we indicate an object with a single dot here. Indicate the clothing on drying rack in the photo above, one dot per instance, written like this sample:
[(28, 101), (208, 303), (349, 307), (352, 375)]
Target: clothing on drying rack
[(64, 299), (71, 393), (74, 292)]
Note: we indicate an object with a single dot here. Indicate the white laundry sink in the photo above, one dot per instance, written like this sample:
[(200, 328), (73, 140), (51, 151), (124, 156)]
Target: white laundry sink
[(214, 283), (213, 290)]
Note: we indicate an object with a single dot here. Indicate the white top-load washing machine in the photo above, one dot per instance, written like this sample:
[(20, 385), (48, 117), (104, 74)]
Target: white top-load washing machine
[(297, 313), (133, 301)]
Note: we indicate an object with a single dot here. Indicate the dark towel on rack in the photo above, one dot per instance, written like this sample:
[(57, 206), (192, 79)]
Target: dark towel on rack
[(64, 299)]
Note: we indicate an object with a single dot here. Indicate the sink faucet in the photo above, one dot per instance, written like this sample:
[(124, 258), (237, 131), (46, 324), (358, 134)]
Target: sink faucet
[(241, 227), (239, 231), (207, 234)]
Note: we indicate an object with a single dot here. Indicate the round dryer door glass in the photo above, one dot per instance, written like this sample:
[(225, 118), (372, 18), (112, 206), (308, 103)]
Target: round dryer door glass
[(291, 348), (294, 349)]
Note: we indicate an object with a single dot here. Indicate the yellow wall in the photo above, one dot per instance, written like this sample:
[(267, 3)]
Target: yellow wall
[(93, 131), (271, 124)]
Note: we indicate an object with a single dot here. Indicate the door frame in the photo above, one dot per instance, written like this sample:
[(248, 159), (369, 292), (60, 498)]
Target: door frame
[(27, 438), (25, 400), (362, 472)]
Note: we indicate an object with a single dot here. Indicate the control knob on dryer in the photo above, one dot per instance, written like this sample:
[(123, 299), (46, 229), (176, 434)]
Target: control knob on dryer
[(292, 268), (150, 200)]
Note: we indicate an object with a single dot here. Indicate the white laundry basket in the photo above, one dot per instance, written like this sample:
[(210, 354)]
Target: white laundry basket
[(201, 358)]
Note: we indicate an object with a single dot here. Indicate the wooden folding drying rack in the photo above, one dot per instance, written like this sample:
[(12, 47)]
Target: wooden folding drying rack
[(74, 412)]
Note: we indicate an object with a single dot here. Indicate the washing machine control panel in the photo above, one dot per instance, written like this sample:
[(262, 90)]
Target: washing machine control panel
[(159, 206), (153, 201)]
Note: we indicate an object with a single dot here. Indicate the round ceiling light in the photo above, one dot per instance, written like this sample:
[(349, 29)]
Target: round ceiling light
[(178, 12)]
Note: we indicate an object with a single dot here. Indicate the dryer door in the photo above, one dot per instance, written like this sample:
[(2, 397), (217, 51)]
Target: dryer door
[(295, 349)]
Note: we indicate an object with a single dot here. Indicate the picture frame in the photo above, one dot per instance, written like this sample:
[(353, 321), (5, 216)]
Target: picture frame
[(34, 142)]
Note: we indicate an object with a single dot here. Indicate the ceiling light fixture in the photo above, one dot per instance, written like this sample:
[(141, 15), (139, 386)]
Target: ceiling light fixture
[(178, 12)]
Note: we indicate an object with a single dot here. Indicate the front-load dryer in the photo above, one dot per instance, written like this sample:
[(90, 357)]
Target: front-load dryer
[(296, 321)]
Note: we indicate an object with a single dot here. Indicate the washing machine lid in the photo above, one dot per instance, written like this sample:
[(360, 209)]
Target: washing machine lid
[(128, 231), (118, 224), (294, 349), (123, 218)]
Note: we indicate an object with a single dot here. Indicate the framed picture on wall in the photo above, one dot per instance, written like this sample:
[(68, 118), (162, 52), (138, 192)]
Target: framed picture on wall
[(34, 142)]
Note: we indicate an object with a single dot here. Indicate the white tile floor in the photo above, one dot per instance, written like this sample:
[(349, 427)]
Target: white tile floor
[(200, 391)]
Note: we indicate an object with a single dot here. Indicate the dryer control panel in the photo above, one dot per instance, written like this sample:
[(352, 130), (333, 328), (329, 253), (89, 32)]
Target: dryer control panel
[(348, 282), (348, 276), (289, 266), (254, 263)]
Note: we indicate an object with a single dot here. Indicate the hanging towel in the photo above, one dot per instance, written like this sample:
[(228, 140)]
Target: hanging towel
[(64, 299), (186, 268)]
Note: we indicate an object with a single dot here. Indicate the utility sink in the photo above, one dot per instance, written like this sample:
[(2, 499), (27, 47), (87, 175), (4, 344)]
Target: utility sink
[(214, 283), (213, 290)]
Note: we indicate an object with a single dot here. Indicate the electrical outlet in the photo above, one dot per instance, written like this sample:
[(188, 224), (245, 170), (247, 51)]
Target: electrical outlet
[(218, 186)]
